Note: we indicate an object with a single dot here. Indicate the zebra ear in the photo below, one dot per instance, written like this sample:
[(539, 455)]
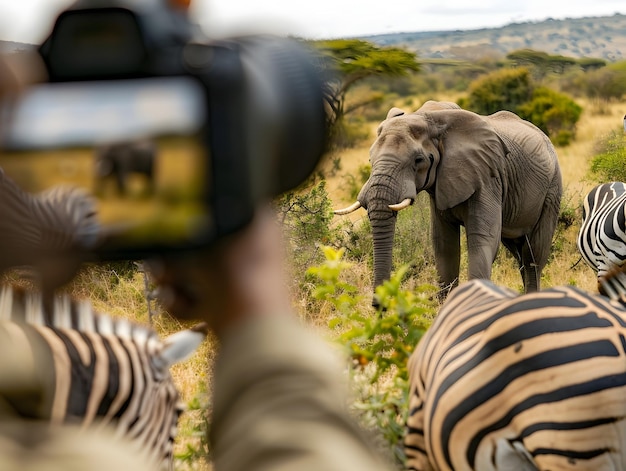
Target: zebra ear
[(179, 346)]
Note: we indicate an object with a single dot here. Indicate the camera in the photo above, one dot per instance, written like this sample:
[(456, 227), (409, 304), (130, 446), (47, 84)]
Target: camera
[(178, 137)]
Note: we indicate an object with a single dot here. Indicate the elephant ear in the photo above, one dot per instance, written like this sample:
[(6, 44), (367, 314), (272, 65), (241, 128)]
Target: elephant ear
[(471, 152), (393, 112)]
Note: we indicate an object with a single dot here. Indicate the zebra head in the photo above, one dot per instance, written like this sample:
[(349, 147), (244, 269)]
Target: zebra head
[(97, 371), (152, 418)]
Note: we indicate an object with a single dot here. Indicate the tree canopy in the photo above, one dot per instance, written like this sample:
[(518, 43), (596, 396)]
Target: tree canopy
[(353, 60), (541, 62)]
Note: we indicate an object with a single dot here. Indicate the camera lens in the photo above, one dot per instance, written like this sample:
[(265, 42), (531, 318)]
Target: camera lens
[(285, 110)]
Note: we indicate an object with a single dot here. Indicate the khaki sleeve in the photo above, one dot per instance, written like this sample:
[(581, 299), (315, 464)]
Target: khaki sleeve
[(280, 404)]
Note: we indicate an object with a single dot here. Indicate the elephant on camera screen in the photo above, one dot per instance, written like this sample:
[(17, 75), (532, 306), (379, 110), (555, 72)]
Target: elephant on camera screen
[(496, 175), (119, 160)]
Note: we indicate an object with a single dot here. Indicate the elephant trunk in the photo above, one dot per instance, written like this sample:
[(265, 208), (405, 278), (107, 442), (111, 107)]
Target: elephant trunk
[(383, 231), (380, 193)]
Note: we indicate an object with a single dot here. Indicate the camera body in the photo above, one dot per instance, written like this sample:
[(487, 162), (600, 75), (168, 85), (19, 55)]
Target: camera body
[(118, 74)]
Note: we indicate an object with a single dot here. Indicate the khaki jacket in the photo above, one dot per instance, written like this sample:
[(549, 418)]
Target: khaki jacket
[(280, 404)]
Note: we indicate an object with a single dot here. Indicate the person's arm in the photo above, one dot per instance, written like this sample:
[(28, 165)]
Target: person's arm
[(280, 403), (280, 400)]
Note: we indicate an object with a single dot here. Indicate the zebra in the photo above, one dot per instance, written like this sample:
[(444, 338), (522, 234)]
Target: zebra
[(55, 222), (602, 236), (95, 370), (503, 381)]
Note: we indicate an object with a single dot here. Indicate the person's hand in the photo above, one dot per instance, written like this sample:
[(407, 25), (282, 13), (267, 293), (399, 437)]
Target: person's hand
[(242, 277)]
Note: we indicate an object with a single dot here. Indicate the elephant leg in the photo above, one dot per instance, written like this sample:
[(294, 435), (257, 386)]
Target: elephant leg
[(514, 246), (482, 250), (522, 250), (530, 266), (484, 229), (536, 249), (447, 250)]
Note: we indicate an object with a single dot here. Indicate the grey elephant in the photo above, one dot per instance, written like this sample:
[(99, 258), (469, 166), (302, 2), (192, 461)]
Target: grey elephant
[(498, 176), (117, 161)]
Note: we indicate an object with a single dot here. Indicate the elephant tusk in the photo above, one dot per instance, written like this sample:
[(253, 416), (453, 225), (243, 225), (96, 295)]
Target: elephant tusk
[(349, 209), (405, 203)]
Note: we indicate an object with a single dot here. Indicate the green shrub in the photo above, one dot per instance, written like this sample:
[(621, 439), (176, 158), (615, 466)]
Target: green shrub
[(196, 429), (306, 214), (379, 343), (554, 113), (504, 89), (357, 241), (609, 164), (354, 183)]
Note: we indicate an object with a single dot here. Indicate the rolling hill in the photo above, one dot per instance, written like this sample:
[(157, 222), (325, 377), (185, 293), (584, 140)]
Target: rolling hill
[(599, 37)]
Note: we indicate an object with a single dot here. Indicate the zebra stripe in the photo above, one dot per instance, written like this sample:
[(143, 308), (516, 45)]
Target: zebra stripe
[(99, 371), (68, 215), (502, 381), (61, 218), (602, 236)]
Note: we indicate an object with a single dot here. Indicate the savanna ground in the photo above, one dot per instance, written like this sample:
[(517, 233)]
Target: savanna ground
[(119, 288)]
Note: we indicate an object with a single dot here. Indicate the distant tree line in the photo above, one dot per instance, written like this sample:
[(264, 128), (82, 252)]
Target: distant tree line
[(543, 63), (540, 87)]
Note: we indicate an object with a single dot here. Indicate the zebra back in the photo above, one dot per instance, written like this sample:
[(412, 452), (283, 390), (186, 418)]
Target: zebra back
[(602, 236), (20, 305), (98, 371), (502, 381)]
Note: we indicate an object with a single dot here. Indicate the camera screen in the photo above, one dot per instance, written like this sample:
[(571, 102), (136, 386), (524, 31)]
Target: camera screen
[(138, 146)]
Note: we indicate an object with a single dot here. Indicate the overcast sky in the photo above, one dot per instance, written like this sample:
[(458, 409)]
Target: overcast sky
[(29, 20)]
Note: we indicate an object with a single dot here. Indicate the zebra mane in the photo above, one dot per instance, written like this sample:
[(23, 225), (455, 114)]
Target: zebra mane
[(20, 305), (62, 207)]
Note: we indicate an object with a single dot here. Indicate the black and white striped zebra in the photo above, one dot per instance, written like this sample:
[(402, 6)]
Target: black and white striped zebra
[(97, 371), (62, 219), (602, 236), (508, 382)]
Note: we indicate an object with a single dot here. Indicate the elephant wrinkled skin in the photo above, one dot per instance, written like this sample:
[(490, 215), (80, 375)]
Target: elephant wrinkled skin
[(496, 175)]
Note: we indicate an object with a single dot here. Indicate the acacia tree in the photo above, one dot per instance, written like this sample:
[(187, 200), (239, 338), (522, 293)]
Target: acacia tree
[(541, 62), (353, 60), (591, 63)]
